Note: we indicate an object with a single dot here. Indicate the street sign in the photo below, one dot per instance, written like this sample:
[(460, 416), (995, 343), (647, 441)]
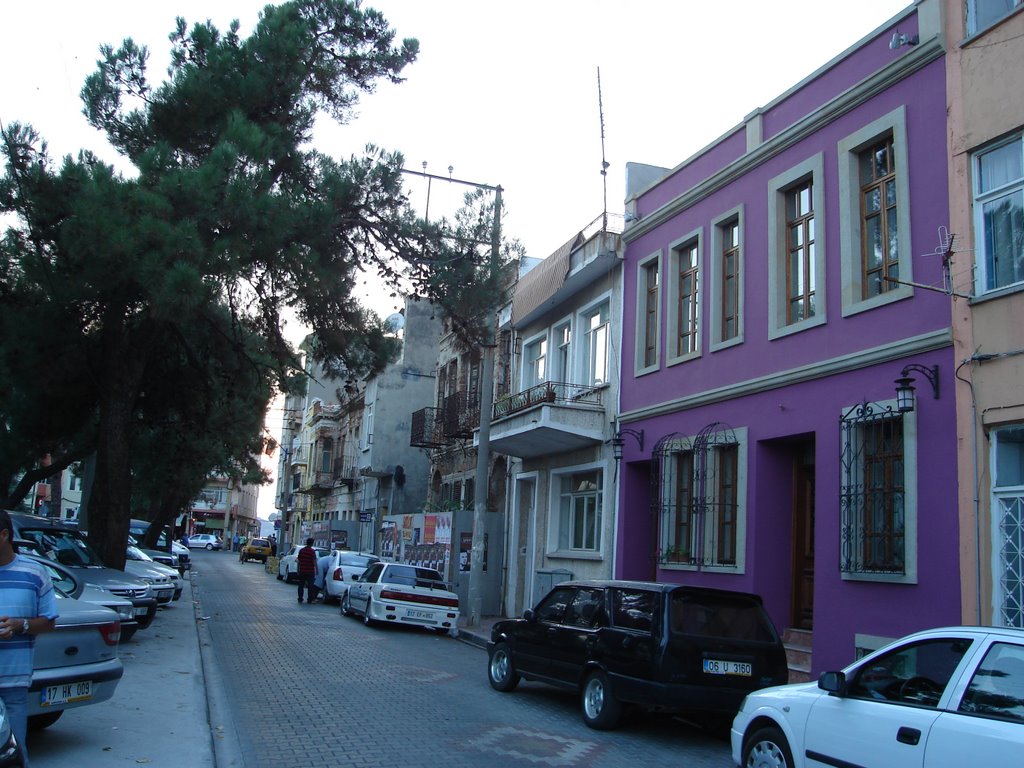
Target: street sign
[(366, 517)]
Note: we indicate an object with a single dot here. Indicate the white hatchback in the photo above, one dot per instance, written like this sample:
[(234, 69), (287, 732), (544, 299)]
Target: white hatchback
[(943, 698), (402, 594), (204, 541)]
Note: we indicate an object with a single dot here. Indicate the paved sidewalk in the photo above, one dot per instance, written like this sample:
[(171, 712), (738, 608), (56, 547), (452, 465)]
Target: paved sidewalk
[(158, 715)]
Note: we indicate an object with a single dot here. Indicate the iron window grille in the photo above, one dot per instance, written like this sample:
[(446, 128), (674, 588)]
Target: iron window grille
[(872, 494), (696, 494)]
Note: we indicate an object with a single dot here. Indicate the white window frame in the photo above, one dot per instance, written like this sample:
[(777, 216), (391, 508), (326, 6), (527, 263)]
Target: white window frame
[(710, 522), (980, 238), (714, 279), (558, 358), (973, 26), (639, 367), (555, 514), (910, 477), (582, 342), (528, 372), (813, 169), (369, 395), (1007, 506), (696, 237), (850, 237)]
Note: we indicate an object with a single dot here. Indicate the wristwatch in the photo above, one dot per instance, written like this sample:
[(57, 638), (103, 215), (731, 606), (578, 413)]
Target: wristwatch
[(24, 626)]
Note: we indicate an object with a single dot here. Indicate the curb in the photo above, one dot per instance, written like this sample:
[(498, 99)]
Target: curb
[(226, 746), (469, 637)]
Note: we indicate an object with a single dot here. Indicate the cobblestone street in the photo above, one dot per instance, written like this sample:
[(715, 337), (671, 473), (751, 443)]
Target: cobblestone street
[(306, 687)]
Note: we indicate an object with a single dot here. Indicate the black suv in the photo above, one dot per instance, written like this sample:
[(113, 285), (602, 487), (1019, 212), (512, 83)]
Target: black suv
[(657, 646)]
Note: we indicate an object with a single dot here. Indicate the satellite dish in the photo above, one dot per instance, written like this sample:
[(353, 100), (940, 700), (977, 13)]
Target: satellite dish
[(394, 323)]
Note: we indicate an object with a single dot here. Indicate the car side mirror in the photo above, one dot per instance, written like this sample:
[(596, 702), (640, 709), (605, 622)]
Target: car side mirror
[(529, 615), (833, 682)]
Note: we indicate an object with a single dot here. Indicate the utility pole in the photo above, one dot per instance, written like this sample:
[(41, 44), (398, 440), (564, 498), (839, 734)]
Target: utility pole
[(483, 451), (483, 455)]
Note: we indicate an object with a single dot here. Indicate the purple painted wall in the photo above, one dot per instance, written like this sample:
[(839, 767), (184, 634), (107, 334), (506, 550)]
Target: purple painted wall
[(807, 413)]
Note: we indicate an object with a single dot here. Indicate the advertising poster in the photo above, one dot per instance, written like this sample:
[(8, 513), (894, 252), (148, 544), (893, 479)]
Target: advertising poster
[(429, 528), (466, 552)]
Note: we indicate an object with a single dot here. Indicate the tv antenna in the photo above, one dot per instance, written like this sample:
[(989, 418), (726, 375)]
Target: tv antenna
[(604, 162)]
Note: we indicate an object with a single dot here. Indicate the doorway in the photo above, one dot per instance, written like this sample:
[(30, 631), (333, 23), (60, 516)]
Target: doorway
[(803, 537)]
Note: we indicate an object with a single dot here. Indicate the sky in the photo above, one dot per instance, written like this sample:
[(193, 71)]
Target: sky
[(506, 93)]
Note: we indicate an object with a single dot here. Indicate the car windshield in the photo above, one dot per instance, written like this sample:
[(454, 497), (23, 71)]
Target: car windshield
[(66, 547), (134, 553), (719, 616)]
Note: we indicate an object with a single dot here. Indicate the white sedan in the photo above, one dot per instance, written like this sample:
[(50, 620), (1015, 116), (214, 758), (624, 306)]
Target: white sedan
[(288, 565), (402, 594), (343, 569), (942, 698)]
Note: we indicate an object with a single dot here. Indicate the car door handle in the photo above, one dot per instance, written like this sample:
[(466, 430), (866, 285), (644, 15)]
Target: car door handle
[(911, 736)]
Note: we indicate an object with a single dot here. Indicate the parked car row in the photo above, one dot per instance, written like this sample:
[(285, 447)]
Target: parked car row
[(99, 608)]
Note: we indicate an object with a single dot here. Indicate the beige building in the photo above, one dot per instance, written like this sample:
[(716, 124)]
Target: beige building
[(985, 69)]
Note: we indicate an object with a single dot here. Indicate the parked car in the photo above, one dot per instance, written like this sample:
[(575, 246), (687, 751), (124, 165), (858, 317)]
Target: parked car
[(143, 566), (656, 646), (255, 549), (288, 566), (68, 547), (76, 664), (169, 549), (936, 699), (65, 580), (403, 594), (11, 755), (344, 568), (204, 541)]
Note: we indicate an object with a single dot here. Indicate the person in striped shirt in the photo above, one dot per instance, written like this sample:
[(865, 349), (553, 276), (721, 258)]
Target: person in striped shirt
[(27, 608)]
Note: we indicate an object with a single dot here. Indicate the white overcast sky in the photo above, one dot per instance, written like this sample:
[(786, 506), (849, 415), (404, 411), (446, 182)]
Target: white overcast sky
[(505, 92)]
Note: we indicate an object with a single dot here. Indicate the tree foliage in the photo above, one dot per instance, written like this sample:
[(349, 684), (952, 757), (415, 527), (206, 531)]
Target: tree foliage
[(228, 219)]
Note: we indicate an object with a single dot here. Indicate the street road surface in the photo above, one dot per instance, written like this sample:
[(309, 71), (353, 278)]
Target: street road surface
[(305, 686)]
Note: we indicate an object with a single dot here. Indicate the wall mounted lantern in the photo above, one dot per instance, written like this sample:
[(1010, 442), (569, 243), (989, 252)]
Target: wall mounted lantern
[(619, 440), (905, 385)]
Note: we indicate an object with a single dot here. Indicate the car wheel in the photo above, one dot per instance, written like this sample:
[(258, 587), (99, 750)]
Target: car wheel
[(767, 748), (209, 546), (279, 576), (346, 609), (501, 672), (601, 710), (38, 722), (366, 613)]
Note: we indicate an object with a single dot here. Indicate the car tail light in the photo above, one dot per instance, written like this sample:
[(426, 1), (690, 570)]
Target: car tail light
[(111, 632), (338, 575)]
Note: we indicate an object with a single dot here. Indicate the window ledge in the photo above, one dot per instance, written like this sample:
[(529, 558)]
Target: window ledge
[(996, 293), (568, 554), (883, 578)]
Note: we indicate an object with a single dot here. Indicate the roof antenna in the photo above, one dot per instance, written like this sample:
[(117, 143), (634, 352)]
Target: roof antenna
[(604, 163)]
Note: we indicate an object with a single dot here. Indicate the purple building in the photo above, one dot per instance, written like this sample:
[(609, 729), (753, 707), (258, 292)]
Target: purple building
[(776, 285)]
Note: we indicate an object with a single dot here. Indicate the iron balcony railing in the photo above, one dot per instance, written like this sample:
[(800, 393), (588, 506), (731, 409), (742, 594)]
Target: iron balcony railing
[(426, 429), (460, 414), (547, 392)]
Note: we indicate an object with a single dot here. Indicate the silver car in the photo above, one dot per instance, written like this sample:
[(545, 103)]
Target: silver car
[(76, 664)]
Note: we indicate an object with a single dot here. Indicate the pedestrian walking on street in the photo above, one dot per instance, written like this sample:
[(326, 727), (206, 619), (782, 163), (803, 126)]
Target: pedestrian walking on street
[(306, 562), (27, 608)]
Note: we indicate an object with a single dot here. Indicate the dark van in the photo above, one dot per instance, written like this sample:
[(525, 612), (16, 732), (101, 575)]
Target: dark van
[(662, 647)]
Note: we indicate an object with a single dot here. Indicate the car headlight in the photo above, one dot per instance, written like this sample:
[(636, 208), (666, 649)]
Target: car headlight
[(125, 613)]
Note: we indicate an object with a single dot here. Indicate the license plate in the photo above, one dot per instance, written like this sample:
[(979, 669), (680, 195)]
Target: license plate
[(722, 667), (140, 611), (414, 614), (66, 693)]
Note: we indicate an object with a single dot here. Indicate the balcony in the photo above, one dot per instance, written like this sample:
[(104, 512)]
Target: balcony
[(427, 429), (553, 417), (460, 414)]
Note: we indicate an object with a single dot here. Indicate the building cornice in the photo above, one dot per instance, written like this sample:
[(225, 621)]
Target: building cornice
[(912, 61), (818, 370)]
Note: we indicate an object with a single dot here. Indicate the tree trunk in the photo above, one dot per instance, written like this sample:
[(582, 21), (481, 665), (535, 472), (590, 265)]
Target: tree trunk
[(110, 502)]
